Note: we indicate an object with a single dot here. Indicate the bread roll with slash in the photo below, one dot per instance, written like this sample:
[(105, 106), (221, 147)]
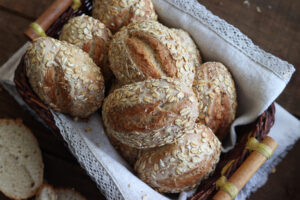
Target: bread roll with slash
[(64, 77), (150, 113), (146, 50), (183, 165)]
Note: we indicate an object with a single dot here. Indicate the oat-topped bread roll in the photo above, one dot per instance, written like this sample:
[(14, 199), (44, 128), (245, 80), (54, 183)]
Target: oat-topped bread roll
[(150, 113), (118, 13), (190, 45), (183, 165), (64, 77), (92, 37), (215, 90), (146, 50)]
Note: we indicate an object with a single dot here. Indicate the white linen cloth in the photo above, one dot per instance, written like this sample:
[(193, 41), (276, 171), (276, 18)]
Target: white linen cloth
[(260, 78)]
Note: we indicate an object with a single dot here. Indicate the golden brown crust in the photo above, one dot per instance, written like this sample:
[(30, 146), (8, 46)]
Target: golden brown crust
[(183, 165), (215, 90), (64, 77), (150, 113), (190, 45), (148, 49), (91, 36), (118, 13)]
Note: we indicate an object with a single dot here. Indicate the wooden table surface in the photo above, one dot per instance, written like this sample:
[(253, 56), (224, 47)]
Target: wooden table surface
[(272, 25)]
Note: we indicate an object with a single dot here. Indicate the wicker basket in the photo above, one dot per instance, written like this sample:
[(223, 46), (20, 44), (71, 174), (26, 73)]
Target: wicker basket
[(53, 24)]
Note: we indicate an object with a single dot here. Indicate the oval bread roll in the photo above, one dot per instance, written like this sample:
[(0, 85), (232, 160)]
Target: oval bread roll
[(91, 36), (146, 50), (190, 45), (183, 165), (215, 90), (21, 164), (118, 13), (64, 77), (150, 113)]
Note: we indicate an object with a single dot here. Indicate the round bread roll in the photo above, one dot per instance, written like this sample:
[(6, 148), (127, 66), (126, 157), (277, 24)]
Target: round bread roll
[(190, 45), (91, 36), (21, 163), (215, 90), (118, 13), (146, 50), (183, 165), (150, 113), (64, 77)]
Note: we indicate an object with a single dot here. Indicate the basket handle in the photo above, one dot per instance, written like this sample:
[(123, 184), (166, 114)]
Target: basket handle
[(47, 18), (242, 175)]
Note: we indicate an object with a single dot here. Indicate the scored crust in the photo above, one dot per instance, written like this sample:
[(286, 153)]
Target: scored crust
[(92, 36), (150, 113), (146, 50), (215, 90), (183, 165), (118, 13), (64, 77)]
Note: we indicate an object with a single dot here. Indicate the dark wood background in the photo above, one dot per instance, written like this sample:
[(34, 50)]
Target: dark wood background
[(273, 25)]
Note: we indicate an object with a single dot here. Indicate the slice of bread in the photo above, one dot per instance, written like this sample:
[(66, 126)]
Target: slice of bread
[(68, 194), (46, 192), (21, 164)]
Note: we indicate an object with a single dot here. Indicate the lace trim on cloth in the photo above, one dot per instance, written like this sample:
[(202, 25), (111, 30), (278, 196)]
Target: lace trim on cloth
[(233, 36), (88, 161)]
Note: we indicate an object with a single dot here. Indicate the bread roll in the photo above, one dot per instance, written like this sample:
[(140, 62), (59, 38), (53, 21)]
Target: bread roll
[(146, 50), (190, 45), (91, 36), (64, 77), (183, 165), (150, 113), (118, 13), (215, 90), (21, 164)]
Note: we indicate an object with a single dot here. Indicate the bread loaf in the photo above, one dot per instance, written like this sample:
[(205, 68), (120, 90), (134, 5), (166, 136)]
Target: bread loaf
[(183, 165), (150, 113), (21, 164), (64, 77), (146, 50), (215, 90), (118, 13), (91, 36), (46, 192), (190, 45)]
